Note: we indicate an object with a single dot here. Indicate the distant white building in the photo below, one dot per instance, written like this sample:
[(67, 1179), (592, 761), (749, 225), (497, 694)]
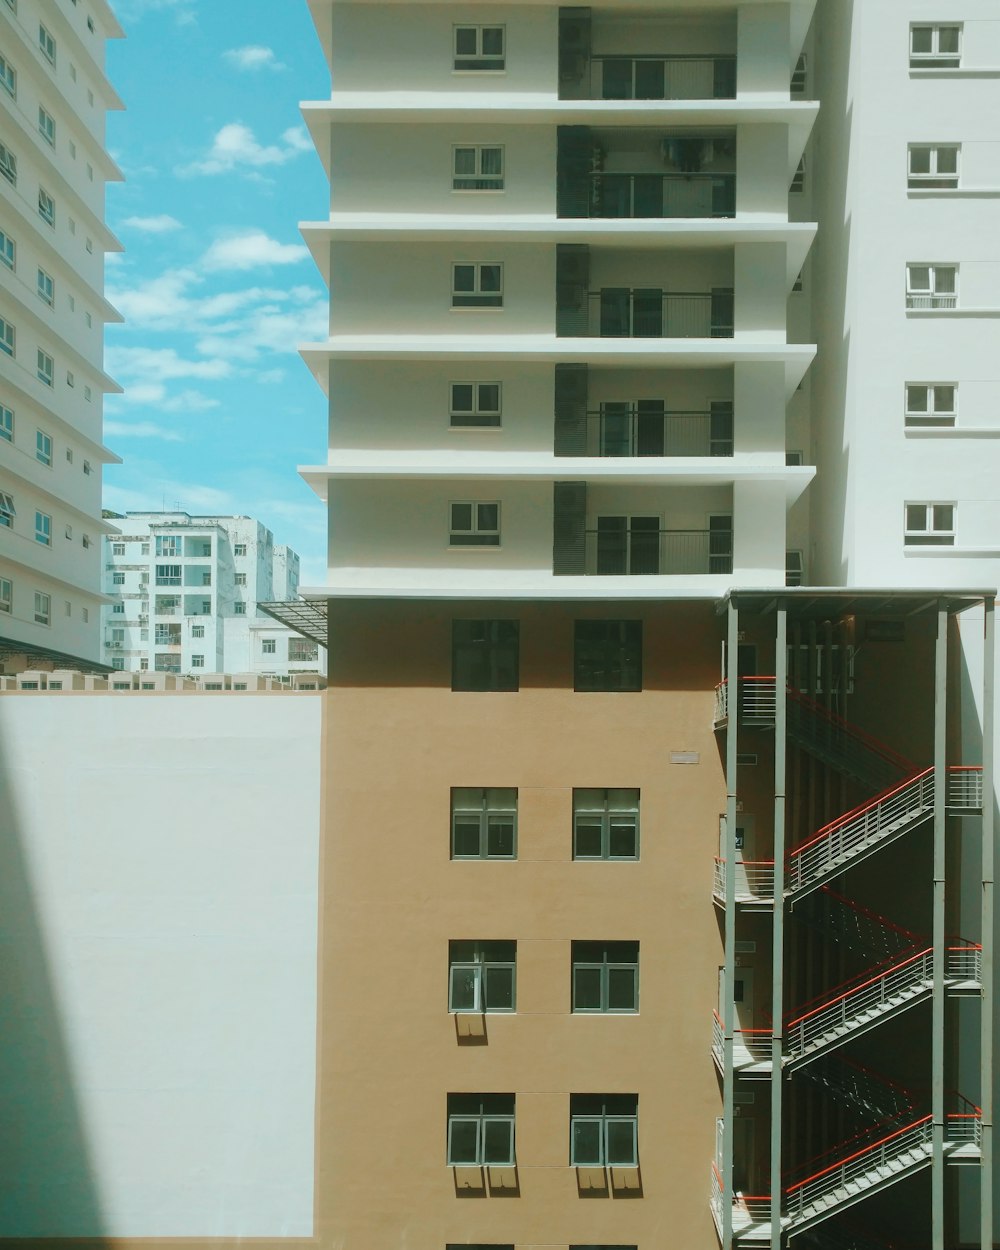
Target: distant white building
[(185, 592)]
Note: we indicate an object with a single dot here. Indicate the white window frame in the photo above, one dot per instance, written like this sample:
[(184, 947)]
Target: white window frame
[(117, 579), (604, 1121), (6, 595), (47, 45), (8, 251), (43, 608), (477, 964), (482, 1120), (269, 646), (46, 125), (479, 416), (239, 549), (168, 574), (117, 549), (46, 288), (240, 579), (479, 532), (930, 296), (6, 423), (933, 533), (45, 367), (494, 810), (7, 510), (477, 181), (933, 179), (43, 448), (168, 546), (8, 77), (477, 296), (8, 164), (46, 207), (935, 58), (43, 529), (931, 415), (8, 338), (239, 608), (197, 661), (477, 61), (607, 808)]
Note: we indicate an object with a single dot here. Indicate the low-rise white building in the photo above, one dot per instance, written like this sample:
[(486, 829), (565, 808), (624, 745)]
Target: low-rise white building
[(186, 591)]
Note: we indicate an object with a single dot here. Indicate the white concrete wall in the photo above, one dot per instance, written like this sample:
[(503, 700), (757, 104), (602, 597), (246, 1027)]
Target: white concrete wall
[(158, 940)]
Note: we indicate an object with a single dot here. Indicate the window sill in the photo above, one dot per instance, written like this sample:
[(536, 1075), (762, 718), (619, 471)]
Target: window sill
[(472, 308), (952, 193), (965, 553), (474, 547), (924, 313), (954, 71), (952, 431), (475, 429)]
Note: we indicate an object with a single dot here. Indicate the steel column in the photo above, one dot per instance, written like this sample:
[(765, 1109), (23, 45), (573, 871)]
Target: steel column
[(778, 931), (728, 1003), (938, 929), (986, 1025)]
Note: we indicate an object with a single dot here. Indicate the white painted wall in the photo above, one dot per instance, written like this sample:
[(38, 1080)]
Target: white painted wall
[(158, 939)]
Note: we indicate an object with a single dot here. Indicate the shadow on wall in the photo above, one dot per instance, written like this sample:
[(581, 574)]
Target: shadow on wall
[(47, 1185)]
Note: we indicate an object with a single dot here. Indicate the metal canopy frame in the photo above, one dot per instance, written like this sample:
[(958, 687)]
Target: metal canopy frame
[(306, 616)]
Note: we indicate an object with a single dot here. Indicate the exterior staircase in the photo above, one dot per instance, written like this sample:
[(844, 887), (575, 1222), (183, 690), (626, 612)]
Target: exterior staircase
[(842, 745)]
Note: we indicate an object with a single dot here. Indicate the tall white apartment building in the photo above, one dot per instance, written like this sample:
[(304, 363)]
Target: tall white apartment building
[(184, 596), (54, 98)]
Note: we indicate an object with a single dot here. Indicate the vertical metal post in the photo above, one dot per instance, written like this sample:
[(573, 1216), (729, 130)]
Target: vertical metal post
[(778, 932), (728, 1003), (986, 1014), (938, 1005)]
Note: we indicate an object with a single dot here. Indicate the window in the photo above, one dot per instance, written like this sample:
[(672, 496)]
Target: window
[(484, 655), (8, 338), (477, 168), (239, 609), (241, 579), (117, 549), (43, 529), (301, 650), (479, 48), (474, 524), (197, 631), (8, 165), (605, 976), (46, 288), (930, 525), (118, 579), (88, 468), (47, 44), (6, 423), (604, 1130), (47, 126), (43, 608), (239, 549), (46, 207), (197, 661), (168, 575), (8, 250), (607, 655), (799, 178), (477, 285), (8, 77), (793, 568), (268, 646), (70, 379), (483, 823), (46, 369), (7, 510), (69, 532), (606, 824), (6, 595), (168, 546), (480, 1130), (799, 76), (935, 47), (932, 168), (43, 447), (475, 404), (481, 976), (119, 608), (931, 286), (144, 550), (931, 403)]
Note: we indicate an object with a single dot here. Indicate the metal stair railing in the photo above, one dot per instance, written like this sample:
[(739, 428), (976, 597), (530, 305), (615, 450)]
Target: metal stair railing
[(754, 880), (758, 699), (874, 995), (888, 813), (965, 788), (756, 1042), (965, 962), (843, 744)]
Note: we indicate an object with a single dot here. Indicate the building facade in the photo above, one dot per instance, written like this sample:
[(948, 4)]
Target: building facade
[(690, 862), (184, 594), (54, 166)]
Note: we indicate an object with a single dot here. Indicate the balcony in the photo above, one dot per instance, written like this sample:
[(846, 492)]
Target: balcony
[(645, 427), (647, 313), (648, 76), (638, 195), (637, 546)]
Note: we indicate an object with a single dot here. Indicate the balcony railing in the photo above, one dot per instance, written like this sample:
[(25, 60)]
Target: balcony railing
[(932, 301), (650, 313), (758, 699), (965, 787), (644, 429), (965, 963), (649, 195), (651, 77), (657, 552), (754, 880)]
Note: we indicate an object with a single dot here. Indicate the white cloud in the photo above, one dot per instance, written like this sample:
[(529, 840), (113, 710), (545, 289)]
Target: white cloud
[(235, 147), (253, 57), (151, 365), (251, 249), (162, 224), (140, 429)]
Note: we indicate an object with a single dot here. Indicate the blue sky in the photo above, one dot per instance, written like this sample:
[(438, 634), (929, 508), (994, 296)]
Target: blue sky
[(215, 284)]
